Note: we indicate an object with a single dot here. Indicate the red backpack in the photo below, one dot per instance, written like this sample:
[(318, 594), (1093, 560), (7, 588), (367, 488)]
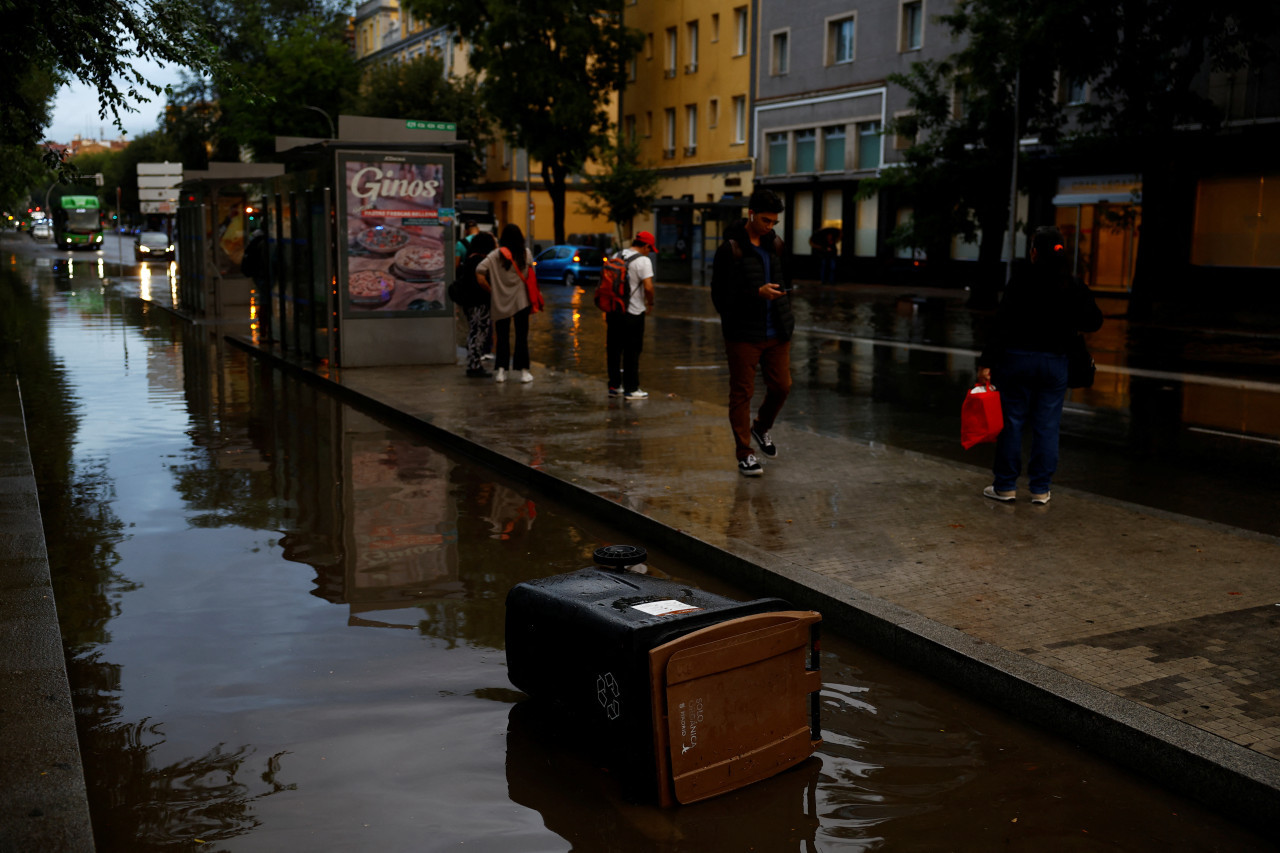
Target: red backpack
[(613, 293)]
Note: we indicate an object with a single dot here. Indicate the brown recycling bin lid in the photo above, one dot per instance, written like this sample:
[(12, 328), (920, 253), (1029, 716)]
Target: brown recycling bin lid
[(730, 704)]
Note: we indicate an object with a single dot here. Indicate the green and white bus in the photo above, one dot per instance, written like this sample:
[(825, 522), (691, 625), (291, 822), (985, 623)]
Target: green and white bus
[(78, 224)]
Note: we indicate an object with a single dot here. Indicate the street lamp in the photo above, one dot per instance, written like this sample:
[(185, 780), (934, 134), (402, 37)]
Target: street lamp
[(333, 134)]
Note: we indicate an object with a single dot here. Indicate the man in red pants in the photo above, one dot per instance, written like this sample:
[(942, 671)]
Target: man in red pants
[(752, 294)]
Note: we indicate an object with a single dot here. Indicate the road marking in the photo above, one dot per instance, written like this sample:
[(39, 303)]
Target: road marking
[(1234, 435), (1170, 376)]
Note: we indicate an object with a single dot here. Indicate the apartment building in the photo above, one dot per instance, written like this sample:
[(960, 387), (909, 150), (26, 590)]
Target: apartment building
[(687, 106)]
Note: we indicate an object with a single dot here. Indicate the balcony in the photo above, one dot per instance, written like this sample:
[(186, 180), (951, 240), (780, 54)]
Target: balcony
[(668, 153), (690, 150)]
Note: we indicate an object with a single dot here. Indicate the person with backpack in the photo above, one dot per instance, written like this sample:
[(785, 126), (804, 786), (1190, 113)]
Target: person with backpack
[(624, 333), (474, 301), (752, 294)]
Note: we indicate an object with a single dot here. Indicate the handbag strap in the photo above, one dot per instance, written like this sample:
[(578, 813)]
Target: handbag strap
[(506, 253)]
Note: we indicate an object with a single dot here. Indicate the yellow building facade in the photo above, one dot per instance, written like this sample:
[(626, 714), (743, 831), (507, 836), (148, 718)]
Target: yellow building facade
[(687, 105)]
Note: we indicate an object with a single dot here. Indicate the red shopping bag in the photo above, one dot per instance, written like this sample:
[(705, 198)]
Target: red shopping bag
[(980, 417)]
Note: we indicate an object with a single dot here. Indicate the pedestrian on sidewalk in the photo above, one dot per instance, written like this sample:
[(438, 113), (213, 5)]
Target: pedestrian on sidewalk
[(503, 273), (624, 330), (751, 292), (1043, 310), (475, 302)]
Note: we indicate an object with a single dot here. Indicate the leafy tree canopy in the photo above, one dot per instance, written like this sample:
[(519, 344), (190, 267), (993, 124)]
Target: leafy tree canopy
[(287, 58), (548, 68), (623, 188), (420, 89), (97, 42)]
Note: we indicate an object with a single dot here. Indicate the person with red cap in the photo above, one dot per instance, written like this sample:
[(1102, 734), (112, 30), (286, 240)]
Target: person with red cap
[(624, 333)]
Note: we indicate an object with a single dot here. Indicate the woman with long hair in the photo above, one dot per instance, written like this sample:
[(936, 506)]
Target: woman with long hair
[(504, 273)]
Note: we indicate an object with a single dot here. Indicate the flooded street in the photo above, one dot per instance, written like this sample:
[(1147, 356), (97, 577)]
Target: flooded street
[(284, 619)]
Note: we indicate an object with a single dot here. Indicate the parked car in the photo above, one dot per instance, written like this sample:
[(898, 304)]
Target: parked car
[(42, 230), (153, 246), (569, 264)]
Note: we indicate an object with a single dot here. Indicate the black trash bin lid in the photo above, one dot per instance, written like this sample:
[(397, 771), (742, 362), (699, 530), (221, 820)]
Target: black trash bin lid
[(619, 556)]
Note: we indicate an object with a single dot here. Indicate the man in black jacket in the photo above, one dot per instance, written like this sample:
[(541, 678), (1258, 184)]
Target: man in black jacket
[(752, 294)]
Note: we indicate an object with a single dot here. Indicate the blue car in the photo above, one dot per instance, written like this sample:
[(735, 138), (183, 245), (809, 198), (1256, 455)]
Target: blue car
[(569, 264)]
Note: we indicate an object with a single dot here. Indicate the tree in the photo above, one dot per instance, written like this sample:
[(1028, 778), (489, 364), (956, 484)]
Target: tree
[(286, 58), (622, 189), (548, 68), (97, 42), (1141, 59), (420, 89)]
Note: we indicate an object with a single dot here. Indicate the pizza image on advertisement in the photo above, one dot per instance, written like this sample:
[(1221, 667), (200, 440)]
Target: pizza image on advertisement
[(383, 239), (370, 287), (420, 262)]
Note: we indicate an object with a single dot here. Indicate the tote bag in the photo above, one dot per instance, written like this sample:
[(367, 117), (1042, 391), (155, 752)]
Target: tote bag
[(981, 418)]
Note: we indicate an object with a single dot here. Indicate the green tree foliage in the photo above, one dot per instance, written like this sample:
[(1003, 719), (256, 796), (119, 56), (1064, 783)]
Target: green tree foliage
[(548, 68), (95, 42), (1141, 59), (420, 89), (623, 189), (284, 57)]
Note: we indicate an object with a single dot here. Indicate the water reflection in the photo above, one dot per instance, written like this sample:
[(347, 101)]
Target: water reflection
[(229, 545)]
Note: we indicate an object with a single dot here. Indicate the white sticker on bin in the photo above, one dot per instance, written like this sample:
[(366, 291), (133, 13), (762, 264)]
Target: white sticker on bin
[(665, 608)]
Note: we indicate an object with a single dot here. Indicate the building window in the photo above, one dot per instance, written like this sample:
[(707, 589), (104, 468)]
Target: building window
[(740, 31), (629, 128), (840, 40), (631, 70), (912, 26), (648, 46), (739, 119), (648, 124), (1075, 91), (1235, 222), (691, 33), (713, 112), (869, 145), (959, 100), (801, 215), (669, 133), (777, 160), (691, 135), (780, 58), (901, 139), (833, 148), (806, 150), (672, 48), (715, 26)]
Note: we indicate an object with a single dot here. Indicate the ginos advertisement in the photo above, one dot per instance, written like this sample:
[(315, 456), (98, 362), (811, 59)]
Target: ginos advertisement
[(398, 217)]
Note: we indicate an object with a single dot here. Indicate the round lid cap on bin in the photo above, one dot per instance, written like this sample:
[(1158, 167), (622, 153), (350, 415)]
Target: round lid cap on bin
[(619, 556)]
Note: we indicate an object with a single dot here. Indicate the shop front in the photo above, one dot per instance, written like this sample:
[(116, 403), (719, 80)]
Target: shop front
[(1101, 217)]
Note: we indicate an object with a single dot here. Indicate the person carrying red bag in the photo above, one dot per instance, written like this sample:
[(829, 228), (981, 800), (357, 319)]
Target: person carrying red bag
[(1043, 310)]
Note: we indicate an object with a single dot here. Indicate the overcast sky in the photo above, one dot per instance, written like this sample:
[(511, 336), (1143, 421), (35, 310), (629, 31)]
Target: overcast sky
[(75, 110)]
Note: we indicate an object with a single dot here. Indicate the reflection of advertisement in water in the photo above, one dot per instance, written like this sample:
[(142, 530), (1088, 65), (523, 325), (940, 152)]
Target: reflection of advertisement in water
[(396, 214), (404, 524)]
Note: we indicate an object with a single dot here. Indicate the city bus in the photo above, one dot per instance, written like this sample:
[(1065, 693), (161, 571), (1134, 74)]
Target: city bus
[(78, 223)]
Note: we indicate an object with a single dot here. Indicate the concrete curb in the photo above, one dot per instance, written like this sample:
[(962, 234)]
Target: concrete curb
[(1227, 777), (44, 805)]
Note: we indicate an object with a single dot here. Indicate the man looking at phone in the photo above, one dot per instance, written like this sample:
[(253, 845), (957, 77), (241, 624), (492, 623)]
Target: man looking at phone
[(751, 292)]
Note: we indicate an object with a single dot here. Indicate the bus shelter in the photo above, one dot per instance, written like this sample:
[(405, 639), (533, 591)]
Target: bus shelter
[(688, 234), (360, 245)]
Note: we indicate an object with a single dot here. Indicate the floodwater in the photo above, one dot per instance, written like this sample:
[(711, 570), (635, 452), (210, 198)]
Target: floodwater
[(284, 628)]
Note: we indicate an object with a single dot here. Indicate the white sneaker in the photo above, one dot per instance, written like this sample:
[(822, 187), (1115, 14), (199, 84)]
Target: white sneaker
[(637, 394), (500, 375), (526, 376)]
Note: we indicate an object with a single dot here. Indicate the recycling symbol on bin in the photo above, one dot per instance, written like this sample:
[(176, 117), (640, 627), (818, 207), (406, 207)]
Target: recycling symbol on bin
[(607, 692)]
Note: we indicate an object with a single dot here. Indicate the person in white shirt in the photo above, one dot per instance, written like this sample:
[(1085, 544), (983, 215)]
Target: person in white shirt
[(624, 338)]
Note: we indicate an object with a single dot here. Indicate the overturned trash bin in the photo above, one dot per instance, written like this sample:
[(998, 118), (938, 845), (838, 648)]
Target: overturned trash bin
[(688, 693)]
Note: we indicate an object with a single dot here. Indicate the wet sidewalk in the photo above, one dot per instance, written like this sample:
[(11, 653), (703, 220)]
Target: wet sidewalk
[(1147, 636)]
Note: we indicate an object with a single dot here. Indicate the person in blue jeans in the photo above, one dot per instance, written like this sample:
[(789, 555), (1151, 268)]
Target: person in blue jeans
[(1043, 310)]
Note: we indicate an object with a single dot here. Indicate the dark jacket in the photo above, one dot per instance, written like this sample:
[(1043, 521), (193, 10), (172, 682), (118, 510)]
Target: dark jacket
[(737, 274), (1043, 310)]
